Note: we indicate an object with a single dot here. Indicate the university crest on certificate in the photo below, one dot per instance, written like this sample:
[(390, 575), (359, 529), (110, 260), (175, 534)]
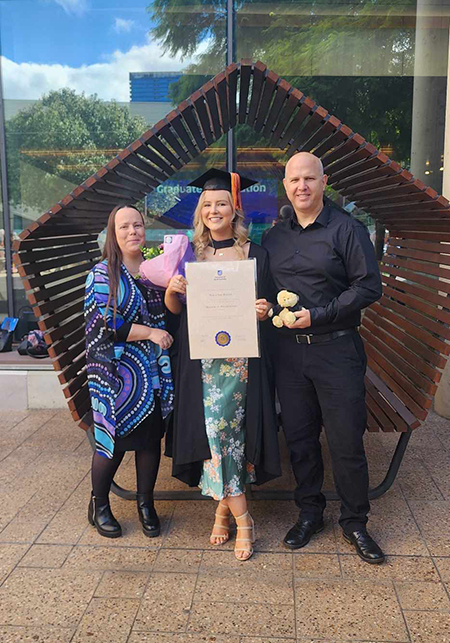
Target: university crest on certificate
[(221, 314)]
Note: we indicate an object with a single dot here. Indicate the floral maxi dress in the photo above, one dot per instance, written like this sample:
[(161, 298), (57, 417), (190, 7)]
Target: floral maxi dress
[(224, 392)]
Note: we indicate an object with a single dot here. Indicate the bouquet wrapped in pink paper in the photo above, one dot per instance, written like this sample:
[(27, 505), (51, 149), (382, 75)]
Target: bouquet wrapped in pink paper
[(176, 252)]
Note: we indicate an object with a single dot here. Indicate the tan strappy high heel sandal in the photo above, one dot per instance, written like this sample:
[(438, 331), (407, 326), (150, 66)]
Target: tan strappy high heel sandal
[(224, 525), (250, 541)]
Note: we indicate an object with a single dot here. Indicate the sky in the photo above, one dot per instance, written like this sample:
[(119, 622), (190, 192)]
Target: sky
[(87, 45)]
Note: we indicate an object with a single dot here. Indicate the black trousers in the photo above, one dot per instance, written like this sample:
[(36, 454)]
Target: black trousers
[(324, 383)]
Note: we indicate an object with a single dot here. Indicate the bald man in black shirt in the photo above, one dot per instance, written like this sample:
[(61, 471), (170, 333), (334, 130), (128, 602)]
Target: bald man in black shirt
[(327, 258)]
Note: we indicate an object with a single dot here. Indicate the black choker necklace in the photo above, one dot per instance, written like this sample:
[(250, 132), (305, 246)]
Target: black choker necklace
[(225, 243)]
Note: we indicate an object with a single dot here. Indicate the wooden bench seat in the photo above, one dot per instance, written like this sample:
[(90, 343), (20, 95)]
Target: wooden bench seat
[(406, 333)]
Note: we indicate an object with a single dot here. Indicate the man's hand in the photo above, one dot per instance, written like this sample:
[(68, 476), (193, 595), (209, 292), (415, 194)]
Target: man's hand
[(262, 308), (303, 319)]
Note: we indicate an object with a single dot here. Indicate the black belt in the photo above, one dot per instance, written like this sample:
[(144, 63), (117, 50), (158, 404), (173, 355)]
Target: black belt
[(326, 337)]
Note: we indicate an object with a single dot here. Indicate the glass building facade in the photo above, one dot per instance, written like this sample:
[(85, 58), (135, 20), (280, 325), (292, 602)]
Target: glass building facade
[(81, 79)]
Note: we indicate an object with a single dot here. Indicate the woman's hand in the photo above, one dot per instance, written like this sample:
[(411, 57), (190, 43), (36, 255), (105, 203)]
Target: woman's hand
[(160, 337), (262, 308), (177, 285)]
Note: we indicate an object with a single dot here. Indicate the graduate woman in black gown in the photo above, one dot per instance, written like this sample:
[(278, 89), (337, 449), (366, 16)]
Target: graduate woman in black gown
[(224, 430)]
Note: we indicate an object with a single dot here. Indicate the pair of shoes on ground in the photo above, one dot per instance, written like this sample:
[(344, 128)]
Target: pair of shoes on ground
[(222, 523), (365, 546), (102, 518)]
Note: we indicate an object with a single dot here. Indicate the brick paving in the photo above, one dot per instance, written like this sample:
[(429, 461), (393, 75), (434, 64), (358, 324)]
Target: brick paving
[(60, 581)]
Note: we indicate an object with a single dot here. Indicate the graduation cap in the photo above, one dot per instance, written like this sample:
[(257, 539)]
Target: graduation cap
[(215, 179)]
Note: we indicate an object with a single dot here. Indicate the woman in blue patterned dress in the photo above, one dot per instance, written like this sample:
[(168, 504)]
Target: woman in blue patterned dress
[(224, 430), (128, 368)]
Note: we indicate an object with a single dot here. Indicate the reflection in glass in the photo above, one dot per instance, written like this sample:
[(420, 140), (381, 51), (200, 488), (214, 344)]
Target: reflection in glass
[(380, 67), (109, 72)]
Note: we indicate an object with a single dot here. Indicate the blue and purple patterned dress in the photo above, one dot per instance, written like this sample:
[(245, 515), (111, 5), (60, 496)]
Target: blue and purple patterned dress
[(123, 377)]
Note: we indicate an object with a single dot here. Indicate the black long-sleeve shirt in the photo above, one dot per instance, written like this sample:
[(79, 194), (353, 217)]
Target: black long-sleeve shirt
[(330, 264)]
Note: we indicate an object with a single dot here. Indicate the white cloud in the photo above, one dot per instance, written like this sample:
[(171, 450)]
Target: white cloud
[(109, 79), (73, 6), (123, 26)]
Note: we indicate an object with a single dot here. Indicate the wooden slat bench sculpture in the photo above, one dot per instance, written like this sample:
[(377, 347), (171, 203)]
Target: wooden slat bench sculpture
[(406, 333)]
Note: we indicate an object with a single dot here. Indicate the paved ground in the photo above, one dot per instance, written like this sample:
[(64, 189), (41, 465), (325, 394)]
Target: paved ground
[(61, 582)]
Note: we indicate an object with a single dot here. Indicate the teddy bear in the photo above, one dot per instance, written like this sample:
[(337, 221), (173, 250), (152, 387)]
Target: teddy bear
[(288, 304)]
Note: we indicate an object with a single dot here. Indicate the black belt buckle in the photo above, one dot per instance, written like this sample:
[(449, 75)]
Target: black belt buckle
[(308, 338)]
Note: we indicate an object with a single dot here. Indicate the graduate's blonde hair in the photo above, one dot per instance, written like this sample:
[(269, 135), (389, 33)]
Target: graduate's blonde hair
[(202, 236)]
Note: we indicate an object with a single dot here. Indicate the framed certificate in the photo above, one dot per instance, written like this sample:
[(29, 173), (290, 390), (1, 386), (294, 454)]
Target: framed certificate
[(220, 299)]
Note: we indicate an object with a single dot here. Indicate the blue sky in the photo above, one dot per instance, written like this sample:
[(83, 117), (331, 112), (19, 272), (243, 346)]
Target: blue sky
[(71, 32), (87, 45)]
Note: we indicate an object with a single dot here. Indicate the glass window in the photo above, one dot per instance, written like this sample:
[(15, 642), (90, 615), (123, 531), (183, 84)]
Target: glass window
[(380, 67), (83, 79)]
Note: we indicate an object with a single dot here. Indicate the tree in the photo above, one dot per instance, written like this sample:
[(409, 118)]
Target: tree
[(301, 40), (58, 142)]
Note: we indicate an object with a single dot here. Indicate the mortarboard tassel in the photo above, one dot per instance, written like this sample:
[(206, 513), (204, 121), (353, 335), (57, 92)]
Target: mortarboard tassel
[(236, 190)]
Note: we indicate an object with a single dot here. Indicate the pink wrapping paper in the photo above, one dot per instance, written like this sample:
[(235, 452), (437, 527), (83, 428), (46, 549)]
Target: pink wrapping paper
[(160, 270)]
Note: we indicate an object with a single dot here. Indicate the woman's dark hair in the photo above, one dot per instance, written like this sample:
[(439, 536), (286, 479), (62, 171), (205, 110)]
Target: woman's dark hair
[(113, 254)]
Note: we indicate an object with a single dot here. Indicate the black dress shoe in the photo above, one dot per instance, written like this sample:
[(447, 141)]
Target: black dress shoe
[(301, 533), (147, 515), (365, 546), (101, 517)]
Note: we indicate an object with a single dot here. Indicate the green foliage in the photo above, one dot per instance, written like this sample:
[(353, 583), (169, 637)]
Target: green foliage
[(301, 40), (151, 253), (64, 137)]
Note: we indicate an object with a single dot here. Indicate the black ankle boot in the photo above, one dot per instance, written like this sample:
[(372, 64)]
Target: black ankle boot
[(147, 515), (101, 517)]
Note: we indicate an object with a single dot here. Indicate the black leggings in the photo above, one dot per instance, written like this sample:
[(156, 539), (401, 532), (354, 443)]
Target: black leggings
[(147, 465)]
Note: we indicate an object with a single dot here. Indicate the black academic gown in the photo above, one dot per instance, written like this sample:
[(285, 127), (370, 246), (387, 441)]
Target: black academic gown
[(187, 442)]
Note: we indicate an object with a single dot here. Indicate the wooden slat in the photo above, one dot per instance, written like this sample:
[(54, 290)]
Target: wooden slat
[(407, 265), (52, 277), (158, 144), (32, 256), (75, 385), (55, 304), (433, 257), (72, 371), (392, 399), (47, 293), (294, 99), (344, 150), (35, 244), (392, 327), (29, 269), (53, 320), (380, 419), (314, 123), (211, 100), (423, 293), (80, 401), (55, 334), (69, 355), (178, 125), (401, 359), (199, 103), (269, 91), (59, 348), (220, 84), (387, 414), (188, 113), (338, 138), (282, 92), (174, 143), (425, 236), (258, 79), (415, 308), (304, 110), (322, 134), (391, 377), (244, 88)]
